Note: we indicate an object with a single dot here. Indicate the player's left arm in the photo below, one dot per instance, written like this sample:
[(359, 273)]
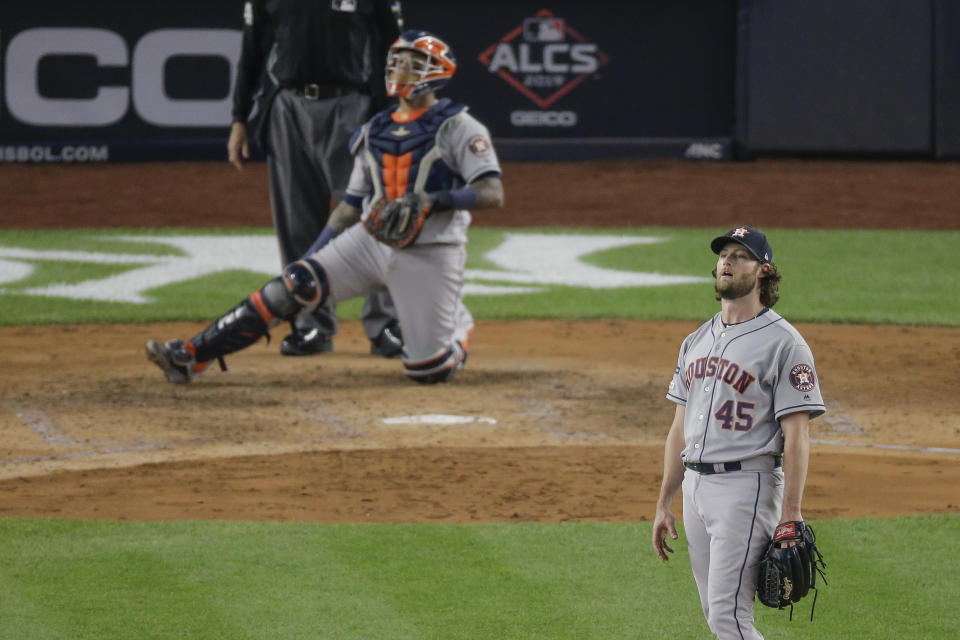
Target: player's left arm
[(796, 458), (466, 147), (489, 192), (485, 192)]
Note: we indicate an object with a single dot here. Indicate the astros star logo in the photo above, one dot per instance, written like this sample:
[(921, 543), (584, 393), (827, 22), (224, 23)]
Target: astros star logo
[(479, 146), (740, 233), (803, 378)]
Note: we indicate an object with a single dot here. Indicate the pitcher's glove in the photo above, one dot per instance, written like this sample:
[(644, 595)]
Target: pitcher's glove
[(397, 223), (787, 574)]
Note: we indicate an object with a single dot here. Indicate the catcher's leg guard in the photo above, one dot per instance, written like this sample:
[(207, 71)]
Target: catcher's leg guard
[(303, 284), (306, 282), (237, 329), (438, 369)]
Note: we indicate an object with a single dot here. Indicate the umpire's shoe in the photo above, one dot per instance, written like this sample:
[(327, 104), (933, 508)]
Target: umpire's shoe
[(175, 358), (306, 344), (389, 343)]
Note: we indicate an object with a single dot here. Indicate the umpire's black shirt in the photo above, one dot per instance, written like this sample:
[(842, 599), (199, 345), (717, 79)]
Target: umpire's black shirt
[(330, 43)]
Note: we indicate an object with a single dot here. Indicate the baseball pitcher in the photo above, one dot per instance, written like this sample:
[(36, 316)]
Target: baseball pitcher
[(746, 388)]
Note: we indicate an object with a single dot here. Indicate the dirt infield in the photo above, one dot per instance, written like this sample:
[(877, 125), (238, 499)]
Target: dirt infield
[(773, 193), (567, 417)]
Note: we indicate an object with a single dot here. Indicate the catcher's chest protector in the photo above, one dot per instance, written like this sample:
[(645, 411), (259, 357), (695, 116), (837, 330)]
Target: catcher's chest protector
[(399, 148)]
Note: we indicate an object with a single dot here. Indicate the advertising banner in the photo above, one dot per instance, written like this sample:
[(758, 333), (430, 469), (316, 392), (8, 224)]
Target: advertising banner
[(118, 81), (644, 77)]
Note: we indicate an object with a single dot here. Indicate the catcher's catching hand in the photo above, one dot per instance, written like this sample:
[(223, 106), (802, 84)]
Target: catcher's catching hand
[(787, 573), (397, 223)]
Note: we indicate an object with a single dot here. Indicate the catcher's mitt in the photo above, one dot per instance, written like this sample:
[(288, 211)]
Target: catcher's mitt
[(397, 223), (787, 574)]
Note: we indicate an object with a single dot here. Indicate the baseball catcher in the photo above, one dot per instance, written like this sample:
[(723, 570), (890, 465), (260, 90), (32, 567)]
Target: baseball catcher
[(420, 167), (787, 573)]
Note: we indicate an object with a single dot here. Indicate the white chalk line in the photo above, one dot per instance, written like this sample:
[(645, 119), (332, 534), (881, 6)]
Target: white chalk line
[(896, 447), (146, 446), (51, 433), (438, 418), (41, 424)]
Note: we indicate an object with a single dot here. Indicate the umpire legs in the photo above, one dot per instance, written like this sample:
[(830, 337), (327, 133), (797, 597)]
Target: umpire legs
[(300, 190), (309, 164)]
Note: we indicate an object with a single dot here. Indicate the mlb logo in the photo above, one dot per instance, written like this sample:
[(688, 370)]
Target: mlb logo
[(347, 6), (543, 29)]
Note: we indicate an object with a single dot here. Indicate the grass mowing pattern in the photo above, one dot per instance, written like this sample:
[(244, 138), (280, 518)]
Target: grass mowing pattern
[(884, 277), (889, 578)]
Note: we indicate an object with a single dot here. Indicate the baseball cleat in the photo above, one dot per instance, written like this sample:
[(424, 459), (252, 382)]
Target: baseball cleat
[(174, 358), (306, 344), (389, 344)]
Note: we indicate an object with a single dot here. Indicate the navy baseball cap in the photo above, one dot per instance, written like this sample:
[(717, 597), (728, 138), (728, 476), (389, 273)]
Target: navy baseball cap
[(752, 239)]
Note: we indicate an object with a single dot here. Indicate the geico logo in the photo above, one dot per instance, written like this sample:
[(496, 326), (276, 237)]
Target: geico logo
[(111, 103), (560, 57), (543, 118)]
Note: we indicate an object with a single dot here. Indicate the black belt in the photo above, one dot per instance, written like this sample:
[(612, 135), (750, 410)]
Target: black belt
[(324, 91), (723, 467)]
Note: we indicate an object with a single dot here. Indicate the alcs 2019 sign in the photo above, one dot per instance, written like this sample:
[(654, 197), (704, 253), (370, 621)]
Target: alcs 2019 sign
[(544, 59)]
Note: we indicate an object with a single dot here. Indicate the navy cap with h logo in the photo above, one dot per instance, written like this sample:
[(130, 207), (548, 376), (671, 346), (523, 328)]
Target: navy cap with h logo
[(753, 239)]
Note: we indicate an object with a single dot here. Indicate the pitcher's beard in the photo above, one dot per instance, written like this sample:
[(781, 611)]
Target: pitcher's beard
[(733, 289)]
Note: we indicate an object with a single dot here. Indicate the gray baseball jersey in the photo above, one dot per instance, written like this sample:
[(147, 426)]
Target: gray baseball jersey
[(737, 381)]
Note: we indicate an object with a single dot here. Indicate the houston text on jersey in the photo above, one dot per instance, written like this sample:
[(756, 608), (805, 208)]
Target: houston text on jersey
[(720, 368)]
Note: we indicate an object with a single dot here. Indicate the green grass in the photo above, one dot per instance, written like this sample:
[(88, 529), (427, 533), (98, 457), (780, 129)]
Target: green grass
[(886, 277), (890, 578)]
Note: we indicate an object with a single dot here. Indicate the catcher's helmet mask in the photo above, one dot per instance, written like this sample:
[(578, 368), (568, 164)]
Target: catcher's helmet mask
[(432, 68)]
